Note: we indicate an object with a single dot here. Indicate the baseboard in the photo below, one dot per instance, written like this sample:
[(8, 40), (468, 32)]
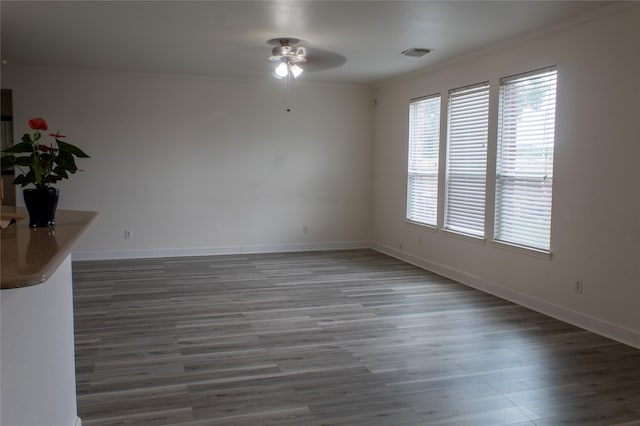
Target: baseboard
[(78, 422), (79, 256), (587, 322)]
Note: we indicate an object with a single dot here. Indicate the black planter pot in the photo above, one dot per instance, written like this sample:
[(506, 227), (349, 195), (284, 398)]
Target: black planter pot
[(41, 204)]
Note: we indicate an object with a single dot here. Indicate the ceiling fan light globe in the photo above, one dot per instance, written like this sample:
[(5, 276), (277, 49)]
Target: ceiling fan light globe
[(296, 70), (282, 70)]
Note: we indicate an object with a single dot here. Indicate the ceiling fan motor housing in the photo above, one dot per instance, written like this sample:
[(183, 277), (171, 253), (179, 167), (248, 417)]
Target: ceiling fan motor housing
[(292, 53)]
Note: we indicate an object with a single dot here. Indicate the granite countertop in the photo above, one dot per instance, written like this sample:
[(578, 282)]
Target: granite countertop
[(31, 255)]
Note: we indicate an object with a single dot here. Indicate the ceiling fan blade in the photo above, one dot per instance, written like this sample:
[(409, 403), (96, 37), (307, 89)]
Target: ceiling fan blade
[(319, 59), (315, 59)]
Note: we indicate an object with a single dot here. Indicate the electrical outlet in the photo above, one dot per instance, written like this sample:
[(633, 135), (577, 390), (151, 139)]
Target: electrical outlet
[(579, 287), (128, 234), (305, 229)]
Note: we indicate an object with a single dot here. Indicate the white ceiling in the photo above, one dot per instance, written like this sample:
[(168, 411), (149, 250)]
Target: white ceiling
[(229, 38)]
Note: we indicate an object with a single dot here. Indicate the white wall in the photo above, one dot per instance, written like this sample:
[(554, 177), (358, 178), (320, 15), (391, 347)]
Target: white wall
[(198, 164), (596, 206)]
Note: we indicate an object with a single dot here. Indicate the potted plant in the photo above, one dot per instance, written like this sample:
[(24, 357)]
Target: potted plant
[(41, 165)]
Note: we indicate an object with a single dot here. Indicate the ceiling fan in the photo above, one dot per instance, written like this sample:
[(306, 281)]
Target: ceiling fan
[(288, 58), (292, 59)]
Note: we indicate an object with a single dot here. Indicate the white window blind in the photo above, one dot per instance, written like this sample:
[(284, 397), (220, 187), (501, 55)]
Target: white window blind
[(467, 159), (524, 174), (424, 138)]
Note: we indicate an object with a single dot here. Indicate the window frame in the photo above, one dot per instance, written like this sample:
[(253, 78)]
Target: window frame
[(518, 215), (464, 167), (431, 146)]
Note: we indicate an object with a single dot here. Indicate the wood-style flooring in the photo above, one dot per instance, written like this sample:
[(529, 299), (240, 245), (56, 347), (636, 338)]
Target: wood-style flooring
[(330, 338)]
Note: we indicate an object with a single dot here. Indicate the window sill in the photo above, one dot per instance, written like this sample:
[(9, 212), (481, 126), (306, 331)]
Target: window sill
[(465, 237), (420, 225), (540, 254)]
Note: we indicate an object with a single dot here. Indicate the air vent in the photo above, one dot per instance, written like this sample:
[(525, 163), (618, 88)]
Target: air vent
[(416, 52)]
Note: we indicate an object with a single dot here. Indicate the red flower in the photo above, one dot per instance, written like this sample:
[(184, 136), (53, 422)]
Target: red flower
[(57, 135), (38, 124)]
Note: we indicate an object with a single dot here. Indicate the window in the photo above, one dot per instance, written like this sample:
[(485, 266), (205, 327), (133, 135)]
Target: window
[(467, 159), (524, 169), (424, 138)]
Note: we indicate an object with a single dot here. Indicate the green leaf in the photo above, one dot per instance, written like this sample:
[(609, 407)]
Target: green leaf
[(72, 149), (45, 156), (19, 147), (62, 174), (7, 162), (30, 178), (24, 161), (65, 161)]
